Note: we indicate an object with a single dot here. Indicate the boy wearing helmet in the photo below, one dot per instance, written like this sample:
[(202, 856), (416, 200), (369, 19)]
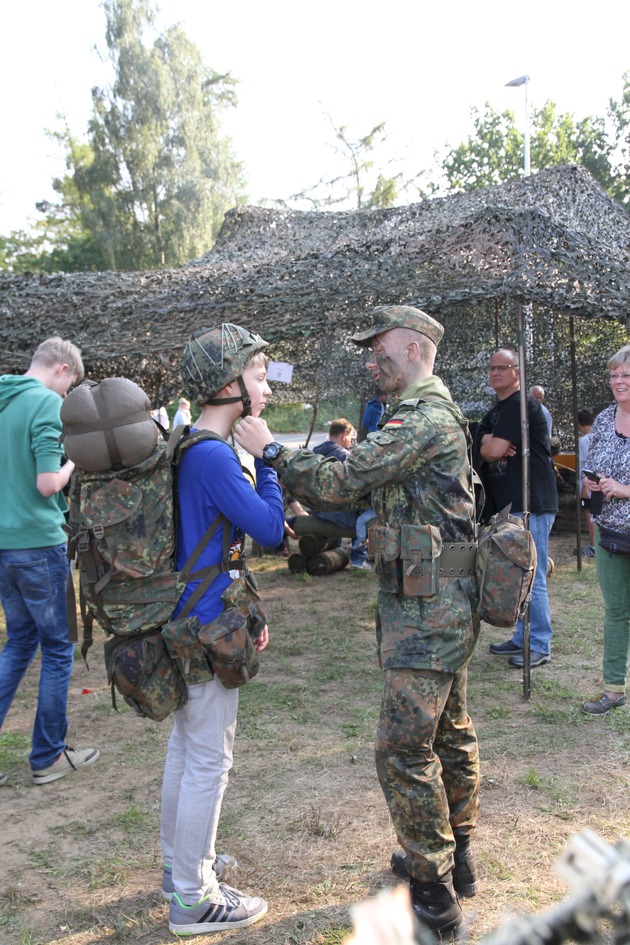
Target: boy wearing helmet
[(224, 372)]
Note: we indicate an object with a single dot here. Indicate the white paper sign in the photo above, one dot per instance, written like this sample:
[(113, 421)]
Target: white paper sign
[(280, 371)]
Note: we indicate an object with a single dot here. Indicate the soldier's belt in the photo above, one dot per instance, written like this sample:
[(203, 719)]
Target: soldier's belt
[(458, 559)]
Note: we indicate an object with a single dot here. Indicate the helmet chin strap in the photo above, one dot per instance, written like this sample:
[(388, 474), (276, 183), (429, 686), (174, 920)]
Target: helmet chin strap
[(244, 397)]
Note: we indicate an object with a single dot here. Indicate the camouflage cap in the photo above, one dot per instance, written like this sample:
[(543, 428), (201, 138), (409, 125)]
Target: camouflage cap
[(215, 357), (385, 317)]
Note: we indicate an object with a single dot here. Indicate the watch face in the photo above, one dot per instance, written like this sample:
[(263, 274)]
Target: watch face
[(271, 450)]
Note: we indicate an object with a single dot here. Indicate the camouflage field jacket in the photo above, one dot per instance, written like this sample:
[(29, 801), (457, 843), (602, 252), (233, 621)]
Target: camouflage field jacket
[(414, 470)]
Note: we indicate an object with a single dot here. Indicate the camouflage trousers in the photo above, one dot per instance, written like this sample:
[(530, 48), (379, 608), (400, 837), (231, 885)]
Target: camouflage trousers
[(427, 760)]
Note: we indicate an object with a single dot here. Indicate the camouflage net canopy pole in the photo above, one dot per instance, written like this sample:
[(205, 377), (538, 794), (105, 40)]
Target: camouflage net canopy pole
[(305, 281)]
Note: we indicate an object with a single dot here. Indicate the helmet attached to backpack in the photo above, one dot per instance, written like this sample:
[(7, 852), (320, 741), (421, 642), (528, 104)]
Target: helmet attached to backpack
[(213, 358)]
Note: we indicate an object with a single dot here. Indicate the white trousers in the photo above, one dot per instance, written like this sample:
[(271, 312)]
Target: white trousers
[(198, 759)]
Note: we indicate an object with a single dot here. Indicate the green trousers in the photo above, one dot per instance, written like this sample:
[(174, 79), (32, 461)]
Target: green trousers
[(613, 572), (427, 760)]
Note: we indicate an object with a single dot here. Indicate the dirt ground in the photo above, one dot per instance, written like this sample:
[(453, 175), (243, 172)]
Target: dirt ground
[(80, 859)]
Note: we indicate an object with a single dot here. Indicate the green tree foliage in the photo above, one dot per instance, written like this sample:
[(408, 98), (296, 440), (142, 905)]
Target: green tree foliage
[(162, 176), (494, 154), (151, 184), (619, 113)]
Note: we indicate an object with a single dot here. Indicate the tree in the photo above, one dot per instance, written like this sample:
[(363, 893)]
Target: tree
[(152, 183), (619, 113), (362, 183), (495, 153)]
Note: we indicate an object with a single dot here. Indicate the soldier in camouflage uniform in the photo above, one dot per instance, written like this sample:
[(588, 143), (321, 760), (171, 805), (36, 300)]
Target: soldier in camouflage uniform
[(415, 472)]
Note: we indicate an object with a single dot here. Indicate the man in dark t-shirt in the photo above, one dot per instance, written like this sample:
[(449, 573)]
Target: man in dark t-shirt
[(500, 447)]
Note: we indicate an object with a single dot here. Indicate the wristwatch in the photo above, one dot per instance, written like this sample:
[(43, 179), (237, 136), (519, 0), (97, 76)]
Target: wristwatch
[(270, 452)]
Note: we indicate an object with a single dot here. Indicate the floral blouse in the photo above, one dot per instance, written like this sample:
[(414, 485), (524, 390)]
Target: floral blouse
[(609, 455)]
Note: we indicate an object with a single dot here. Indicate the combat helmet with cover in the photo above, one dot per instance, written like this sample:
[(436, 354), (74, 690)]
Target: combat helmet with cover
[(213, 358)]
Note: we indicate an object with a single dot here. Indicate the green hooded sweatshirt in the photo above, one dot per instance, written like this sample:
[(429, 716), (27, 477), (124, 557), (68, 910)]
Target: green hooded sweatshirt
[(30, 428)]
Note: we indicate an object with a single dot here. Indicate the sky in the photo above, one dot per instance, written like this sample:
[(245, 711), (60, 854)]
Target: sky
[(419, 67)]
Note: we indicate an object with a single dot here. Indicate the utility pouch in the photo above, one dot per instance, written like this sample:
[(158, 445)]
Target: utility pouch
[(228, 645), (182, 643), (141, 669), (243, 594), (420, 550), (384, 550)]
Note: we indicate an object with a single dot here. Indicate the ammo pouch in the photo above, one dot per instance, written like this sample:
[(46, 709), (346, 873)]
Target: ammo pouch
[(182, 643), (420, 550), (140, 668), (384, 550), (243, 594), (228, 646)]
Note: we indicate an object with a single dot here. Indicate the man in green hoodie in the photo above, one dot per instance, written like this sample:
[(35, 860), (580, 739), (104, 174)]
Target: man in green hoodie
[(414, 470), (33, 561)]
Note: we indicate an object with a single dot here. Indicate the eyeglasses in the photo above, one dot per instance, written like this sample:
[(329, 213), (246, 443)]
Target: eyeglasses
[(500, 367), (620, 377)]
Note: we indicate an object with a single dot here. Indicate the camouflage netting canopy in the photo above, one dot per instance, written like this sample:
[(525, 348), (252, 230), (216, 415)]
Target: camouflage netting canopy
[(554, 241)]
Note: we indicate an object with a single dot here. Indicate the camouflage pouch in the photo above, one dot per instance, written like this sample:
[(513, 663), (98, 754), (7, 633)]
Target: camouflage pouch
[(142, 671), (384, 550), (181, 639), (243, 594), (505, 569), (420, 550), (228, 645)]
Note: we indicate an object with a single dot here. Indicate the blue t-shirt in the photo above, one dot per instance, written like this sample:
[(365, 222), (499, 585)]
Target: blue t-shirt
[(210, 481)]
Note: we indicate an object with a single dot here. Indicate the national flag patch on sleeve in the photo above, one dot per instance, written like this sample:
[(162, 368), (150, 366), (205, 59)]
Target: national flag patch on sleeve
[(394, 422)]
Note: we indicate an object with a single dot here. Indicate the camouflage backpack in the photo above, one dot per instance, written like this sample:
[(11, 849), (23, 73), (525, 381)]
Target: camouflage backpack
[(122, 531)]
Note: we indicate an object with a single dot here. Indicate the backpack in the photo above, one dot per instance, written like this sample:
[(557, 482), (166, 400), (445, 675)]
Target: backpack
[(122, 533), (504, 569)]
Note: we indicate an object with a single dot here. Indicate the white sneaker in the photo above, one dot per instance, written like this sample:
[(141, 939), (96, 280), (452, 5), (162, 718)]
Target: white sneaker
[(226, 908), (68, 761), (223, 864)]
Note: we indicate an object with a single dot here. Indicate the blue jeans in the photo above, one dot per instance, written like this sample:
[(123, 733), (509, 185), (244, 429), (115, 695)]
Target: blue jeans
[(33, 595), (539, 616)]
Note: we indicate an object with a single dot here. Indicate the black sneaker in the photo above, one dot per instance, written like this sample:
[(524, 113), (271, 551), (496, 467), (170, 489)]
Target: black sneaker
[(464, 870), (505, 649), (435, 905)]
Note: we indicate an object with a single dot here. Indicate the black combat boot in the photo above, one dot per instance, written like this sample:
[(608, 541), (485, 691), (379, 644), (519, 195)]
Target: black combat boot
[(435, 905), (464, 871)]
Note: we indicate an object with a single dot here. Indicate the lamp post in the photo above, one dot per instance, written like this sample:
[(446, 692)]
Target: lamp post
[(524, 80)]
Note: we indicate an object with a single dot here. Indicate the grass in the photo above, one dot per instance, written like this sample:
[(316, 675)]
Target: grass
[(304, 813)]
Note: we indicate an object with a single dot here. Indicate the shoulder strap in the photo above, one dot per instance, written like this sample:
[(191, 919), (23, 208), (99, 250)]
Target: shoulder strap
[(181, 438)]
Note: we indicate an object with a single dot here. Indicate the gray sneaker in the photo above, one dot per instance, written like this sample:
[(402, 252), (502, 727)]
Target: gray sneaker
[(226, 908), (68, 761), (223, 865), (3, 778)]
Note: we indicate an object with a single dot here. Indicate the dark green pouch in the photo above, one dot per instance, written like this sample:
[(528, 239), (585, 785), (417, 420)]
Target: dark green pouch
[(228, 645), (181, 639), (141, 669)]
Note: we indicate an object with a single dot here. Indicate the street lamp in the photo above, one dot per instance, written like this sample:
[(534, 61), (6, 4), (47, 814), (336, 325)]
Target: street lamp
[(524, 80)]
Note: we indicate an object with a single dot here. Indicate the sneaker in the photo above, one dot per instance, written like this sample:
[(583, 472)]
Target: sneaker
[(68, 761), (225, 908), (603, 705), (505, 649), (535, 659), (3, 778), (588, 551), (464, 869), (223, 864)]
